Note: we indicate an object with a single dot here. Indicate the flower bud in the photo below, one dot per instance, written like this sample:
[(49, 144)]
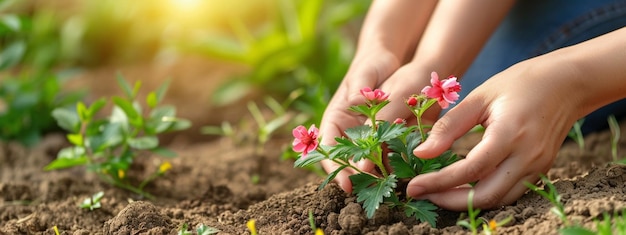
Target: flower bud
[(412, 101)]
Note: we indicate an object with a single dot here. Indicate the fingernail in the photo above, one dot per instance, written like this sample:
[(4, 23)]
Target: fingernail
[(415, 191)]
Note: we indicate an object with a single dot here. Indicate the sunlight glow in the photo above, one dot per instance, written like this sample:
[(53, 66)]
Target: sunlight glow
[(185, 5)]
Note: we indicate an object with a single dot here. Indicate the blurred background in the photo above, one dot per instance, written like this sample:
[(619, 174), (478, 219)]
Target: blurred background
[(223, 59)]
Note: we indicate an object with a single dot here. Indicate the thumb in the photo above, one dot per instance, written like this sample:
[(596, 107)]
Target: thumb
[(451, 126)]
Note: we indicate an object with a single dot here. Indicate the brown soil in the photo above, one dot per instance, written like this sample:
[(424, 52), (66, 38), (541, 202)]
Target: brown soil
[(223, 185)]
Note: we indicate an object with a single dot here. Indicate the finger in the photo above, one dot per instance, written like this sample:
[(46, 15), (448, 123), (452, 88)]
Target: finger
[(481, 161), (454, 124), (342, 177), (505, 193)]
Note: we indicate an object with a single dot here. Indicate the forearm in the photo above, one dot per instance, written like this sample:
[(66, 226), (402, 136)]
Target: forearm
[(597, 70), (457, 32), (395, 26)]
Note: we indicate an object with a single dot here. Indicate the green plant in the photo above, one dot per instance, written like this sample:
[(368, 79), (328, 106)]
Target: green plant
[(200, 230), (278, 115), (92, 202), (26, 102), (576, 134), (366, 142), (108, 146), (471, 222), (615, 137), (553, 196), (304, 45)]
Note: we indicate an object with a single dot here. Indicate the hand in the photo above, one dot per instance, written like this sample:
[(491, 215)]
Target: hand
[(527, 111), (374, 72)]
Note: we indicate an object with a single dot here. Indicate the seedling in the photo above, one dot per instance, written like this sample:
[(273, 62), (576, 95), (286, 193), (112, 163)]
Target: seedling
[(264, 128), (206, 230), (553, 196), (366, 142), (92, 202), (108, 146), (576, 134), (608, 226), (615, 137), (200, 230), (472, 221)]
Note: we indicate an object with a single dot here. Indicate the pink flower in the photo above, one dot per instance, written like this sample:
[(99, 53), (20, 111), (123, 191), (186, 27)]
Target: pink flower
[(445, 91), (374, 96), (305, 140)]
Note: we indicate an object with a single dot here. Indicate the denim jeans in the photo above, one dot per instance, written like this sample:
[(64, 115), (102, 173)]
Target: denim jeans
[(535, 27)]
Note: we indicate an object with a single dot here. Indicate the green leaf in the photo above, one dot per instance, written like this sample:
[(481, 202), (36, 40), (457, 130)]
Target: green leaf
[(11, 21), (576, 230), (130, 110), (331, 176), (66, 119), (96, 106), (423, 211), (372, 191), (160, 92), (144, 142), (400, 167), (387, 131), (346, 149), (75, 139), (310, 159), (361, 109), (179, 124), (92, 202), (164, 152), (152, 100), (124, 85), (105, 135), (81, 109), (12, 54), (68, 157), (359, 132), (206, 230), (160, 119)]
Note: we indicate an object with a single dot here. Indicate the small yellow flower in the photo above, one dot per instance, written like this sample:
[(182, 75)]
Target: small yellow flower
[(493, 225), (319, 231), (121, 173), (165, 166), (251, 226)]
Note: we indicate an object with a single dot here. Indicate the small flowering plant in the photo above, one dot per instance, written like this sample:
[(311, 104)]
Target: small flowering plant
[(380, 141)]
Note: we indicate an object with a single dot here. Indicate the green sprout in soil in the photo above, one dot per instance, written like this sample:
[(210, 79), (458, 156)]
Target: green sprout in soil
[(615, 224), (576, 134), (265, 123), (92, 202), (200, 230), (109, 145), (615, 137), (473, 222), (366, 143)]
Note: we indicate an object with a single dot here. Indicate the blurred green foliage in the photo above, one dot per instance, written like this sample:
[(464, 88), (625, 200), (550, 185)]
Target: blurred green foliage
[(29, 91), (286, 45), (305, 45), (26, 103)]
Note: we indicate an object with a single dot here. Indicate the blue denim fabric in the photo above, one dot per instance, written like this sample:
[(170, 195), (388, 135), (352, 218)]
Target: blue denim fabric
[(535, 27)]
